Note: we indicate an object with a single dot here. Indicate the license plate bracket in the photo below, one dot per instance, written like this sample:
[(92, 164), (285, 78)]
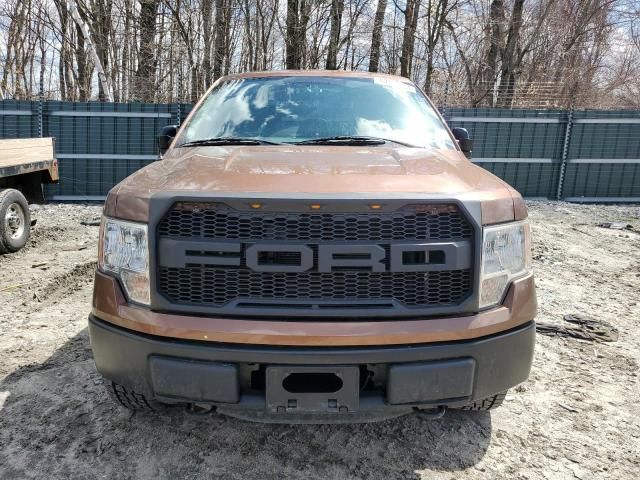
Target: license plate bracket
[(306, 389)]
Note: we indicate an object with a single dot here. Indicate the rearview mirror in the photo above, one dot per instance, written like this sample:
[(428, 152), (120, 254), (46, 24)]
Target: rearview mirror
[(462, 136), (165, 137)]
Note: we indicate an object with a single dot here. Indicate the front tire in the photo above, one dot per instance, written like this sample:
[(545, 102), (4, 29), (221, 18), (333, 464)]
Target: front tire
[(485, 404), (129, 399), (15, 221)]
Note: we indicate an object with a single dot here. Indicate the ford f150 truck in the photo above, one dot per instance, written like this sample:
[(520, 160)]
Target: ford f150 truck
[(313, 247)]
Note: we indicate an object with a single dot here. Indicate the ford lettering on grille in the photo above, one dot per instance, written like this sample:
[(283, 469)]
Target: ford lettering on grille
[(268, 257)]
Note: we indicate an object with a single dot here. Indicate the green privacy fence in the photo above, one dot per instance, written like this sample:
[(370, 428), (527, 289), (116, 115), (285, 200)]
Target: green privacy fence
[(584, 155), (575, 155), (97, 144)]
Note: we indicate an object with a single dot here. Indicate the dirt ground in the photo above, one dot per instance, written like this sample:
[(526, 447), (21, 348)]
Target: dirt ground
[(578, 416)]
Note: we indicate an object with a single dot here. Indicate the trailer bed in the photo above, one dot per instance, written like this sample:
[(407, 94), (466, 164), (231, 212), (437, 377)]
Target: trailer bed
[(22, 156)]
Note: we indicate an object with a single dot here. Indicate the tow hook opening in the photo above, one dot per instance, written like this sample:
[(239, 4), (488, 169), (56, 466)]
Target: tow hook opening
[(200, 409), (432, 413), (310, 382)]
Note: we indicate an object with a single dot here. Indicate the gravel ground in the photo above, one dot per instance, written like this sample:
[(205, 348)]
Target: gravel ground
[(578, 416)]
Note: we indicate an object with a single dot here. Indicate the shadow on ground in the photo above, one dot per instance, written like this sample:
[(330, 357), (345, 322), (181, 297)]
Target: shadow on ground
[(56, 421)]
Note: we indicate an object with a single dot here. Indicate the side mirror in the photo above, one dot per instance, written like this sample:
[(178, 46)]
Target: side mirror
[(466, 144), (165, 137)]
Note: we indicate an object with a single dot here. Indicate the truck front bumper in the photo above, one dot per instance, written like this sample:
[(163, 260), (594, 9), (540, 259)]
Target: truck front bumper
[(376, 381)]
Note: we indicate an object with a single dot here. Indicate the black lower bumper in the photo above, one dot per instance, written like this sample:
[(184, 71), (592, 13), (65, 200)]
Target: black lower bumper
[(375, 382)]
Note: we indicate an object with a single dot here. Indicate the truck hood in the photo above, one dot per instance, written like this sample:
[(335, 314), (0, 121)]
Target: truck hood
[(314, 171)]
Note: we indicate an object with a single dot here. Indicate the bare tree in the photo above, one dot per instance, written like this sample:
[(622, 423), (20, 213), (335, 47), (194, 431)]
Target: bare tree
[(505, 53), (337, 6), (297, 20), (222, 32), (437, 15), (376, 36), (145, 74), (510, 56), (411, 12), (207, 39), (496, 44)]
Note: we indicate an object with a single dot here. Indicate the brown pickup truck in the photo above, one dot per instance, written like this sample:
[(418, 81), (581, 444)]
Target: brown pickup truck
[(313, 247), (25, 164)]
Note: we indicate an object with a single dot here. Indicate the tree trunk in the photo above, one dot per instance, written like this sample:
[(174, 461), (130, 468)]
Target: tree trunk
[(81, 60), (496, 20), (292, 53), (429, 75), (226, 52), (509, 57), (125, 76), (471, 87), (296, 33), (334, 37), (146, 73), (436, 19), (409, 36), (222, 30), (207, 6), (101, 29), (376, 36), (251, 36)]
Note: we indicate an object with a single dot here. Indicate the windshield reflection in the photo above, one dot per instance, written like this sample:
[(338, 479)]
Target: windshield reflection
[(297, 109)]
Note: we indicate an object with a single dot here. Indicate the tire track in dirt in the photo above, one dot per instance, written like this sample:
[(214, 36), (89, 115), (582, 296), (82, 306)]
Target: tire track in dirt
[(66, 283)]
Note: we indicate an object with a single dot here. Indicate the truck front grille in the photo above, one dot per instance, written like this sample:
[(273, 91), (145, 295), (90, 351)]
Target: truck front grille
[(228, 285)]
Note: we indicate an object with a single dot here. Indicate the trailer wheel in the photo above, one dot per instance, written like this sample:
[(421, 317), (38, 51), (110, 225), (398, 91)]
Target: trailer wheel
[(15, 221)]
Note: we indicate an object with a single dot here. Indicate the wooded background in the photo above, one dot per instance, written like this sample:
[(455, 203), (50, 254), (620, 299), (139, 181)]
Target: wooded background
[(499, 53)]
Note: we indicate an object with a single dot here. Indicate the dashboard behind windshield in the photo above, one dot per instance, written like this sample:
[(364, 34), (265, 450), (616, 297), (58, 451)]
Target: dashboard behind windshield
[(297, 109)]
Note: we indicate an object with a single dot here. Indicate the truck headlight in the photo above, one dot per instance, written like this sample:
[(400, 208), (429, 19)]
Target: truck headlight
[(124, 252), (506, 255)]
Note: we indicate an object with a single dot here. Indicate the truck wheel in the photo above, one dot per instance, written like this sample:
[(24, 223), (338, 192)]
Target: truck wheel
[(15, 221), (129, 399), (486, 403)]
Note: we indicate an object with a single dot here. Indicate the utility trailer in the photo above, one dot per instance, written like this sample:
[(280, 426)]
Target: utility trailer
[(25, 164)]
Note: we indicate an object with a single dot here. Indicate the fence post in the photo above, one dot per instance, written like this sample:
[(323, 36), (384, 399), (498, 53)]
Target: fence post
[(443, 110), (41, 108), (565, 153), (179, 98)]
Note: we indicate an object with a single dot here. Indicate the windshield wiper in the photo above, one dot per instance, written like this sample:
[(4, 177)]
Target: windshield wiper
[(351, 140), (227, 141)]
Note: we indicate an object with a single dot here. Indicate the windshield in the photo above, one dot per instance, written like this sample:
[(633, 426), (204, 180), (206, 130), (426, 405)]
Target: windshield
[(298, 109)]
